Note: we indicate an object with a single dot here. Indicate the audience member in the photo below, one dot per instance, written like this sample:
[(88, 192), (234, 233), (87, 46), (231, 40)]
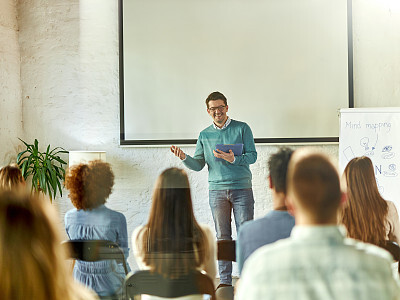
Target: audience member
[(11, 178), (32, 260), (172, 243), (366, 215), (89, 186), (317, 261), (278, 223)]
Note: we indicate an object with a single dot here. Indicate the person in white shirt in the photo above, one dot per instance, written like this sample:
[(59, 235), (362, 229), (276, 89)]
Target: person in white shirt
[(172, 243), (317, 261)]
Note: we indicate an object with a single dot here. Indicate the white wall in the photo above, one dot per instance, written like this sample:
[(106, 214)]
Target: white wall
[(10, 88), (376, 37), (69, 79)]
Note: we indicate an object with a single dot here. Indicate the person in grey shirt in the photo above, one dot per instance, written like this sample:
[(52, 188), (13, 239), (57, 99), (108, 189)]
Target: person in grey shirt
[(278, 223)]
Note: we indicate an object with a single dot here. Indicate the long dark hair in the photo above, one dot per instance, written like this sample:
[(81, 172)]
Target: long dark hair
[(172, 241), (365, 213)]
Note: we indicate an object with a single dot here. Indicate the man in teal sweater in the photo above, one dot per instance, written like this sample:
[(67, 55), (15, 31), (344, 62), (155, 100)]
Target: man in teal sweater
[(229, 176)]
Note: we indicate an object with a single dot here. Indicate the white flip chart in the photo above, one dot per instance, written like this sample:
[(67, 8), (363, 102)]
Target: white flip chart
[(373, 132)]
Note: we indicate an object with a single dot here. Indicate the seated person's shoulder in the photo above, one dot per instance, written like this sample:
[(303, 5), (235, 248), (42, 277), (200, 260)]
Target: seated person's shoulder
[(116, 215), (368, 249), (206, 229), (84, 293), (270, 250)]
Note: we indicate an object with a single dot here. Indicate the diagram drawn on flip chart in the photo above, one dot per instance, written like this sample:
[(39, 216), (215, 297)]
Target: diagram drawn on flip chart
[(373, 132)]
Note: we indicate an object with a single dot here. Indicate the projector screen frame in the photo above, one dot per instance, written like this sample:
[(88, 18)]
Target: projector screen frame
[(285, 140)]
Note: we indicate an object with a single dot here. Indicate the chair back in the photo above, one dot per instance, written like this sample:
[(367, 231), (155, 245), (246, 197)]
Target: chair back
[(394, 249), (94, 250), (151, 283), (226, 250)]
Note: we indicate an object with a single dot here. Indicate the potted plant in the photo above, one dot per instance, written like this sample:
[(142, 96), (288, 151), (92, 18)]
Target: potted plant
[(45, 168)]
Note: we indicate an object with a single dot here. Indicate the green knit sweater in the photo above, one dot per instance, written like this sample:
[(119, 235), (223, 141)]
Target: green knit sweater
[(222, 174)]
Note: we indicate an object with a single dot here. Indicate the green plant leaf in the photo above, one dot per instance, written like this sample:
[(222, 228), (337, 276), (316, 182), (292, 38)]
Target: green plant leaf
[(57, 158), (35, 181), (19, 155), (29, 162), (19, 163), (59, 151), (42, 181), (47, 151), (50, 195), (59, 187), (35, 149), (45, 168), (23, 167), (29, 147)]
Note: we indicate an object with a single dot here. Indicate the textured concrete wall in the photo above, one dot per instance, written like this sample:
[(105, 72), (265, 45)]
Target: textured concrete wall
[(69, 75), (10, 88)]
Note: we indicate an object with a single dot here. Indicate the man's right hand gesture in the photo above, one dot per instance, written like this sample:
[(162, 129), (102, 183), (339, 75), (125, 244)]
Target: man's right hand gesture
[(178, 152)]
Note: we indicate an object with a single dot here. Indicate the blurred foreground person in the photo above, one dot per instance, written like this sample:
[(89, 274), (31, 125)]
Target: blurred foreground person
[(32, 260), (317, 261), (11, 178)]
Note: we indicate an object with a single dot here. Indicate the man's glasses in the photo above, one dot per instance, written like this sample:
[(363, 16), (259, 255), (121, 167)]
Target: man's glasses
[(220, 108)]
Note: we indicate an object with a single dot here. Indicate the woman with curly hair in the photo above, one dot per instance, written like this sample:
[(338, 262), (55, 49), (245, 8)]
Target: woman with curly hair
[(89, 186), (367, 216), (32, 259), (172, 243)]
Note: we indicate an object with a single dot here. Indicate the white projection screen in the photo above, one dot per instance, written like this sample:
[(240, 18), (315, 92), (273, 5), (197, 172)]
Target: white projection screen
[(285, 67)]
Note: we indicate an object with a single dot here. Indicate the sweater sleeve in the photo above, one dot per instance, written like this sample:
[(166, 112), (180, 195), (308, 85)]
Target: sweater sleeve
[(249, 155), (197, 162)]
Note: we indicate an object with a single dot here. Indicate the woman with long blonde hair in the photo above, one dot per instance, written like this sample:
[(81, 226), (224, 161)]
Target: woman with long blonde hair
[(32, 260), (11, 178), (172, 243), (367, 216)]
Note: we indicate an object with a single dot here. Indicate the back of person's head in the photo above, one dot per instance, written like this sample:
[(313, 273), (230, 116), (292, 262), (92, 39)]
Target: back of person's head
[(89, 184), (171, 197), (216, 96), (364, 214), (278, 165), (314, 186), (31, 258), (11, 178), (172, 227)]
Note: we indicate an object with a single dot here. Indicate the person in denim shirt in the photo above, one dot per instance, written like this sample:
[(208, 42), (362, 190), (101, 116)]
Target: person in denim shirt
[(276, 224), (89, 186)]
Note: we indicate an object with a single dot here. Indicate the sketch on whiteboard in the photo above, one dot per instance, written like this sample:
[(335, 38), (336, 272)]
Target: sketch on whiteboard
[(377, 137), (348, 153), (364, 142), (386, 152), (392, 171), (369, 153)]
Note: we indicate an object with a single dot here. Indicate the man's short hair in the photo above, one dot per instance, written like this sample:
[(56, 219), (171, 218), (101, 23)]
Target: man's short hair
[(216, 96), (313, 184), (277, 165)]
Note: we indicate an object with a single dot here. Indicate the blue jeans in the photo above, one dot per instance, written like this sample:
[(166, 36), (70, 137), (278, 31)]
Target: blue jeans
[(222, 202)]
